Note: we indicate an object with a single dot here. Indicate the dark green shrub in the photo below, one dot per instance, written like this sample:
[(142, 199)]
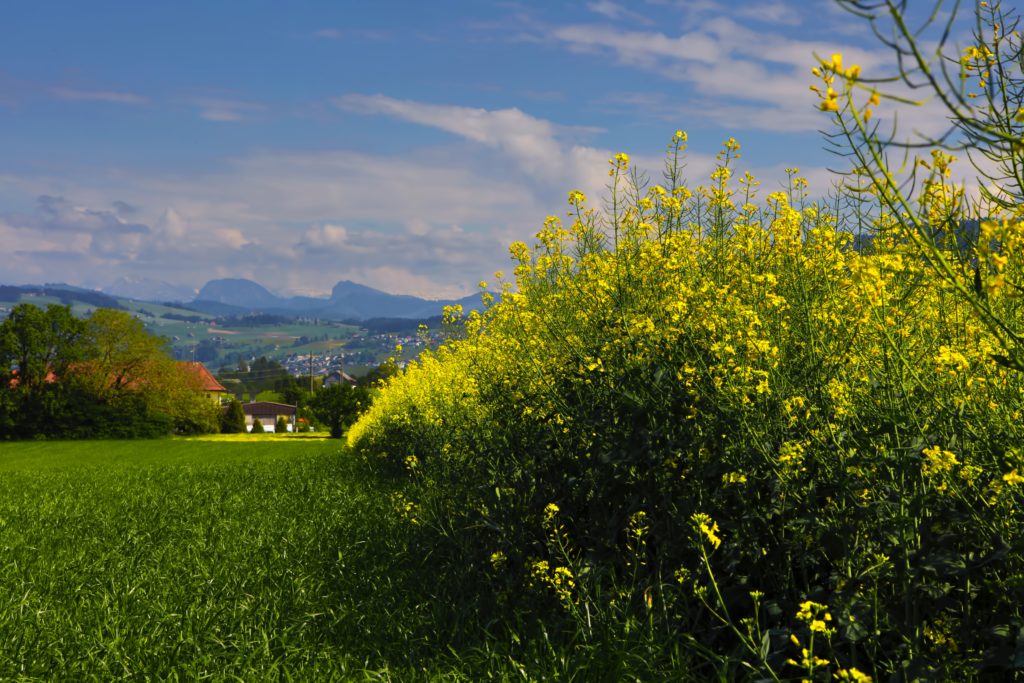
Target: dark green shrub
[(232, 420)]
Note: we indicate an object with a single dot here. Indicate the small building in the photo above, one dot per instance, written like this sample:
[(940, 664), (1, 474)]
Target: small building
[(339, 377), (268, 412), (209, 385)]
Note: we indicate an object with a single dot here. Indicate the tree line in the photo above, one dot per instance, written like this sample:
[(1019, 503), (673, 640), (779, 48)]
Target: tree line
[(104, 376)]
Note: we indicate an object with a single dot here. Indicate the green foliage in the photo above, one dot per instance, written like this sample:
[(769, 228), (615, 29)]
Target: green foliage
[(233, 418), (699, 415), (257, 426), (264, 380), (281, 552), (104, 377), (380, 374), (297, 569), (281, 426), (40, 343), (338, 406)]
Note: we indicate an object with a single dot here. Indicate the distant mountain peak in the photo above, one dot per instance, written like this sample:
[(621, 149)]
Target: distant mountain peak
[(348, 301), (238, 292)]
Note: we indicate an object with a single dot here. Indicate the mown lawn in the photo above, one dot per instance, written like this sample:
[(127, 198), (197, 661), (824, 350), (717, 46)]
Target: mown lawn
[(247, 559)]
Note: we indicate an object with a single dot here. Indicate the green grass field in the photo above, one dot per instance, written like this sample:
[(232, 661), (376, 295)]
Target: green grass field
[(244, 559)]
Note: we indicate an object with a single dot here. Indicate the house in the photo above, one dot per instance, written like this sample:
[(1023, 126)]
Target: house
[(339, 377), (16, 378), (268, 412), (205, 380)]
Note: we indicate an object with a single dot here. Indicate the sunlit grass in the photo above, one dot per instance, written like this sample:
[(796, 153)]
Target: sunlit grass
[(191, 559), (266, 436)]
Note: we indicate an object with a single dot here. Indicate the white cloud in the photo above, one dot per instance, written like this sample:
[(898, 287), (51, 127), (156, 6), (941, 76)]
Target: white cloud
[(172, 226), (616, 12), (293, 221), (232, 237), (740, 77), (224, 110), (775, 12), (539, 148), (325, 236), (109, 96)]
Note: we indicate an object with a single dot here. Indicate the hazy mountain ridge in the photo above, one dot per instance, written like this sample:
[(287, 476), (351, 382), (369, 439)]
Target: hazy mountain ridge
[(348, 301), (65, 293)]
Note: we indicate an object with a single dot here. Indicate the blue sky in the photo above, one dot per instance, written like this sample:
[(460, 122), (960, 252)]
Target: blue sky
[(402, 145)]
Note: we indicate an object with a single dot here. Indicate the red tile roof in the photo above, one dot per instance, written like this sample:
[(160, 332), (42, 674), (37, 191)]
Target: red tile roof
[(207, 381), (16, 378)]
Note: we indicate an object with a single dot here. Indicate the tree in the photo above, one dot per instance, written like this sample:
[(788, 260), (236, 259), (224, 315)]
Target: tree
[(128, 365), (40, 343), (102, 377), (281, 426), (233, 418), (295, 394), (380, 374), (338, 406), (124, 356), (257, 426)]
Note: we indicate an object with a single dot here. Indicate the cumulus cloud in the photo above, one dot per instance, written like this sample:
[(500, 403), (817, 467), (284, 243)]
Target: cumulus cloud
[(301, 221), (293, 221), (324, 236), (56, 214)]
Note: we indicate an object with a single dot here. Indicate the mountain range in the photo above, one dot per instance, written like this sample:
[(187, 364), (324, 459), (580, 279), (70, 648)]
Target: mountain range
[(237, 296), (348, 301)]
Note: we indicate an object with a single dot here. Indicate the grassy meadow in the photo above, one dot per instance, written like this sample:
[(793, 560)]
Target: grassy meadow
[(706, 432), (243, 559)]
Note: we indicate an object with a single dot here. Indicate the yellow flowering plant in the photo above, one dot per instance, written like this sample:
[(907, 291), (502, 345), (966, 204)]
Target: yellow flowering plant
[(773, 374)]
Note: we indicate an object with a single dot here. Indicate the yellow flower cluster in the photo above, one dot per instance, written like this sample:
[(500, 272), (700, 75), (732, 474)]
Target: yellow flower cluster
[(708, 529), (559, 579), (748, 340), (938, 461), (827, 72)]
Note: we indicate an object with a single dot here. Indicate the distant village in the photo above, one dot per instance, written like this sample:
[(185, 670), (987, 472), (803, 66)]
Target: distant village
[(368, 351)]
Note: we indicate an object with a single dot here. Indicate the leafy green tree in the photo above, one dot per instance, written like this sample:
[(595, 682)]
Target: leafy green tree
[(233, 418), (281, 426), (296, 395), (40, 343), (124, 356), (257, 426), (338, 406), (379, 374), (106, 376), (127, 364)]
